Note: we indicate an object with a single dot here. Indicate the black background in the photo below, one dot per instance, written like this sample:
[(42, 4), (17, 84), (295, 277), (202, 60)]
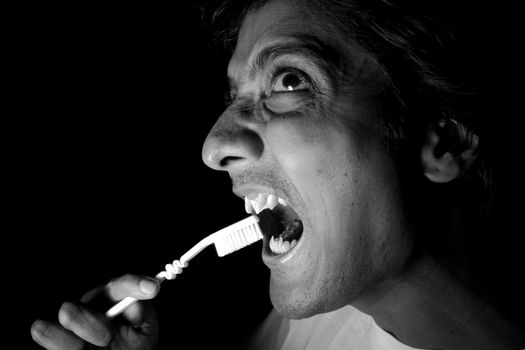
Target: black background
[(110, 110), (107, 110)]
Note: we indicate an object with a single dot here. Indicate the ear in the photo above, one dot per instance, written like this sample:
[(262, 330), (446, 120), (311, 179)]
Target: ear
[(449, 151)]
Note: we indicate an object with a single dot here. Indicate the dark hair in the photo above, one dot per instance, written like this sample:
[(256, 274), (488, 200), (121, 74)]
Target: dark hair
[(419, 49)]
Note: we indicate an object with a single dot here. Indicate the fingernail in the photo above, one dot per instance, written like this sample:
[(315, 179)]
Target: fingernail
[(148, 286)]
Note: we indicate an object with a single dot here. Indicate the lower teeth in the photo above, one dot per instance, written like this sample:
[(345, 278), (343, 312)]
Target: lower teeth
[(280, 246)]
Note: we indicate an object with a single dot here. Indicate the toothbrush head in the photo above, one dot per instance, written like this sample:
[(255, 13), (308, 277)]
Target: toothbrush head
[(237, 236)]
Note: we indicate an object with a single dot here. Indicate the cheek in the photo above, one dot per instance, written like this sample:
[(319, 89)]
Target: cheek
[(307, 151), (320, 161), (340, 172)]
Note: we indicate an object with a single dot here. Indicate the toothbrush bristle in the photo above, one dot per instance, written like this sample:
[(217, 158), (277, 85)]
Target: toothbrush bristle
[(238, 239)]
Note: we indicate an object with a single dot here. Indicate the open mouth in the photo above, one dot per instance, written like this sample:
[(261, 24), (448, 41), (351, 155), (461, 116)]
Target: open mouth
[(279, 222)]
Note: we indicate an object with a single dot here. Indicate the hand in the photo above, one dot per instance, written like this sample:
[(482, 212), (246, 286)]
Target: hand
[(84, 328)]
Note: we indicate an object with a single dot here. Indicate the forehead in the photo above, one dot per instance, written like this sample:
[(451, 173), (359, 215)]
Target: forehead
[(285, 21), (294, 28), (272, 23)]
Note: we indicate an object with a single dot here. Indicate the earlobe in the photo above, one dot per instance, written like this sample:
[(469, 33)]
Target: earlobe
[(441, 159)]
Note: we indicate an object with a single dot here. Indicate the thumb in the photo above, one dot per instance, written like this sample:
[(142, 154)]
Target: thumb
[(138, 287)]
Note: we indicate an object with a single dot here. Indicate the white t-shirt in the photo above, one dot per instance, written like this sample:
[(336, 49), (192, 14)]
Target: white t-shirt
[(343, 329)]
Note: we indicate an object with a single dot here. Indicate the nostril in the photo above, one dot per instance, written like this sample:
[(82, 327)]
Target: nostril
[(224, 162), (231, 145)]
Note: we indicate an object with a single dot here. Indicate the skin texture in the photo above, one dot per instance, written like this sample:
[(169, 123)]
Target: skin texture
[(316, 140), (320, 146), (80, 326), (325, 153)]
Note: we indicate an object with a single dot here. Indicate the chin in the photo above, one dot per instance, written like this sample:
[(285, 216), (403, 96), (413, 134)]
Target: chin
[(298, 304), (293, 311)]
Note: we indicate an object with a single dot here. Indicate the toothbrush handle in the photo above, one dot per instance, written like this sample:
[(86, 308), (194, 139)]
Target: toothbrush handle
[(120, 307)]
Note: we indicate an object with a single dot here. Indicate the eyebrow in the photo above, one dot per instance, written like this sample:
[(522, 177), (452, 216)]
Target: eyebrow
[(322, 55)]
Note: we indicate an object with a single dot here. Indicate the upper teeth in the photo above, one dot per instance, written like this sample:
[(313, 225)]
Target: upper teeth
[(263, 201)]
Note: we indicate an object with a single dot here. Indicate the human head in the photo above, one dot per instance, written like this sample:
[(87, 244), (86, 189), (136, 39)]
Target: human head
[(432, 73), (343, 148)]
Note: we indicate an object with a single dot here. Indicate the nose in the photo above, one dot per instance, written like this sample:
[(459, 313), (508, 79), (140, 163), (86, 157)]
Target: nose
[(232, 144)]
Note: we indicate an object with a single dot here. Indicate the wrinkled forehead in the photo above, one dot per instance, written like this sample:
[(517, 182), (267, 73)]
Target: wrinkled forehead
[(265, 23), (276, 21), (281, 22)]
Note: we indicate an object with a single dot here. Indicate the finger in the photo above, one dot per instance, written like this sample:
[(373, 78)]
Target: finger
[(92, 294), (53, 337), (134, 286), (141, 316), (90, 326), (97, 299), (134, 314), (143, 321)]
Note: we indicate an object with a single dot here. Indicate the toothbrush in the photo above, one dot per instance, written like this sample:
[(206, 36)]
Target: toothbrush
[(227, 240)]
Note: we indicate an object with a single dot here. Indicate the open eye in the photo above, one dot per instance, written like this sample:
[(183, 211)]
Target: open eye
[(290, 81), (290, 90)]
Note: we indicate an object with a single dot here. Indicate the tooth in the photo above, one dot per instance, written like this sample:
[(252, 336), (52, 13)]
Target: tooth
[(261, 203), (273, 246), (271, 201), (281, 247), (248, 205), (257, 204), (282, 202), (253, 202), (286, 247)]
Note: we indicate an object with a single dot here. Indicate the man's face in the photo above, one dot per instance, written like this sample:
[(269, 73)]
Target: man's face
[(303, 127)]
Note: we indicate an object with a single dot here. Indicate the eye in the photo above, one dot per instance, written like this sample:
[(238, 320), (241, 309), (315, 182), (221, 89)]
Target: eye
[(290, 81), (290, 90)]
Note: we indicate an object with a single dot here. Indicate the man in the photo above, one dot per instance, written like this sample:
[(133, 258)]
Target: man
[(347, 130)]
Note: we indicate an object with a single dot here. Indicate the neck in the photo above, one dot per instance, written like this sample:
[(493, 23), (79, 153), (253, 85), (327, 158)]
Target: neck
[(427, 307)]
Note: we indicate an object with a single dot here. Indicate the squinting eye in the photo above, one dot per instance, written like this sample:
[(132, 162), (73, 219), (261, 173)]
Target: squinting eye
[(290, 81)]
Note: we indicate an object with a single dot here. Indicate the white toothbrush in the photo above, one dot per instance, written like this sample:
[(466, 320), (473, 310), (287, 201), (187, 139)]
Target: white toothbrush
[(227, 240)]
